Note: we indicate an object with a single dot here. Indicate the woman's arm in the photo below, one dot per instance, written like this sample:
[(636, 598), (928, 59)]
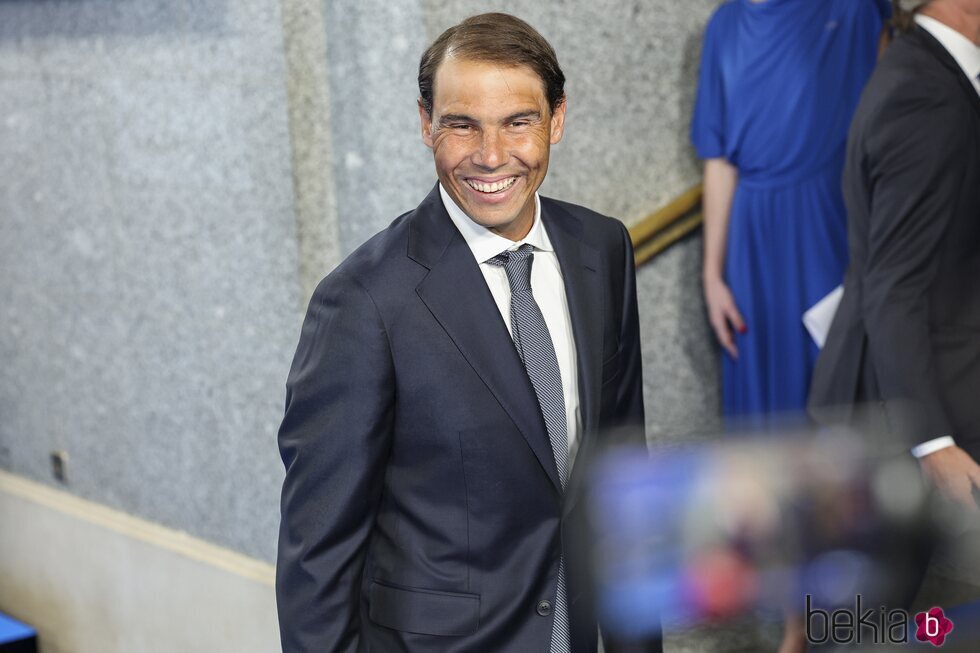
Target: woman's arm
[(720, 178)]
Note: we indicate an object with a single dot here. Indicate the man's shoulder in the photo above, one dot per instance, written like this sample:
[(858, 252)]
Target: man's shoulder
[(593, 220), (380, 265), (909, 83), (911, 65), (598, 230), (380, 250)]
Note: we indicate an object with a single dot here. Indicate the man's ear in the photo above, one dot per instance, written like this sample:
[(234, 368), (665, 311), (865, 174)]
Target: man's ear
[(558, 120), (426, 124)]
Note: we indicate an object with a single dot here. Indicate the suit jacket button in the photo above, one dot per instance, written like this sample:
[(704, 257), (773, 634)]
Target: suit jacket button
[(544, 608)]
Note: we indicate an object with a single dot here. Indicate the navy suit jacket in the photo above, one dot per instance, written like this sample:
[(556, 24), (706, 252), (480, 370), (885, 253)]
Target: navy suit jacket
[(421, 509), (907, 332)]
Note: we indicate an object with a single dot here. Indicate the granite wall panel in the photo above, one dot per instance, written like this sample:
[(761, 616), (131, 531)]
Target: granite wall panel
[(680, 361), (309, 126), (149, 257), (381, 168)]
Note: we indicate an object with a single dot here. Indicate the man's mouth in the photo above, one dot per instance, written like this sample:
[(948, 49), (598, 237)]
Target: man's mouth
[(489, 188)]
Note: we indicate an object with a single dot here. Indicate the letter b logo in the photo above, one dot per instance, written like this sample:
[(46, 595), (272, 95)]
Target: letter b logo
[(932, 626)]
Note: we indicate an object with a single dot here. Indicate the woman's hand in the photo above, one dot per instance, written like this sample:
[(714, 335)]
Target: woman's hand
[(723, 313)]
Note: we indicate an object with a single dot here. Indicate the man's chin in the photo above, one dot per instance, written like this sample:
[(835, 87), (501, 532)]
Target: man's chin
[(493, 223), (499, 222)]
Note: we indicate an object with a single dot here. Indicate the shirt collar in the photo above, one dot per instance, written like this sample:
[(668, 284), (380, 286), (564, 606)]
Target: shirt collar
[(484, 243), (963, 50)]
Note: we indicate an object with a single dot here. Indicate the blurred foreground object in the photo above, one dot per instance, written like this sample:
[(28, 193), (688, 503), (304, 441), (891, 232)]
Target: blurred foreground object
[(705, 534), (16, 637)]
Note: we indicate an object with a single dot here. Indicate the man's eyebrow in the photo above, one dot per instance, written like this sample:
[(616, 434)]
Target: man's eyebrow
[(449, 118), (454, 117), (531, 113)]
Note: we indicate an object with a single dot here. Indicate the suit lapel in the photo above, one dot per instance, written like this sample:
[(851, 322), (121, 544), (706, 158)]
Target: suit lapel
[(579, 267), (457, 295), (932, 44), (579, 263)]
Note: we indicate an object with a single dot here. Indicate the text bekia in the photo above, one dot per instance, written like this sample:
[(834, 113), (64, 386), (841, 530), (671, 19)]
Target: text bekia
[(844, 626)]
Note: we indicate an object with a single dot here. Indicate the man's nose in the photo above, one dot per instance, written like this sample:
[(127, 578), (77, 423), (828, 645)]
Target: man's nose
[(492, 153)]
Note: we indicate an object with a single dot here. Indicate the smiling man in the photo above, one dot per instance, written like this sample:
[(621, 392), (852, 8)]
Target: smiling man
[(451, 376)]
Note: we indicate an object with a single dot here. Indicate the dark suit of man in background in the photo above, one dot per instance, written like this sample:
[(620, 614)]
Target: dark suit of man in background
[(907, 332), (430, 494)]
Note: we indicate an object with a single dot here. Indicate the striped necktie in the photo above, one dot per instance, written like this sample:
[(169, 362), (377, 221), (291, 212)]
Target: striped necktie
[(536, 349)]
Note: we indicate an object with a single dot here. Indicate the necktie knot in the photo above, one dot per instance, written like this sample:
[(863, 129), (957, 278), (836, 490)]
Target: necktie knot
[(517, 265)]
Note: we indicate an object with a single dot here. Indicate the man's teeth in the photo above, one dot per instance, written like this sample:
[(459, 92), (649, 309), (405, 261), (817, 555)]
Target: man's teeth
[(495, 187)]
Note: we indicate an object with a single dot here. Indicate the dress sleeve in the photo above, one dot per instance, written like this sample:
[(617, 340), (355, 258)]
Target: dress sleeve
[(707, 124)]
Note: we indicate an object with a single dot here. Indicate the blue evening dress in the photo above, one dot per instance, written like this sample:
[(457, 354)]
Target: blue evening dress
[(778, 85)]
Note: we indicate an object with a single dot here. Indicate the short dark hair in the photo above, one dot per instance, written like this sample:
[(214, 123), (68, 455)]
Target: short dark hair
[(497, 38)]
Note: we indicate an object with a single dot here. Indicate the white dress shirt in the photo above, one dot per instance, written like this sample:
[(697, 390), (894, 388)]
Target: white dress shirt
[(548, 288), (967, 55)]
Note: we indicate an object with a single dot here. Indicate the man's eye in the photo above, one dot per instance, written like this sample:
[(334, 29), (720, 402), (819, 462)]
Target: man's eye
[(520, 123), (462, 127)]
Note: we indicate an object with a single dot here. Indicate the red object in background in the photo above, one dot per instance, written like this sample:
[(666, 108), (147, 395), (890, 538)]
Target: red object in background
[(721, 583)]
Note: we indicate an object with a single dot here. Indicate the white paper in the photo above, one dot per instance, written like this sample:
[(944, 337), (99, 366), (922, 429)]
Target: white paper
[(818, 318)]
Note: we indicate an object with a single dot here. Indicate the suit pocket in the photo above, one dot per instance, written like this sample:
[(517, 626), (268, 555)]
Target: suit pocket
[(425, 612)]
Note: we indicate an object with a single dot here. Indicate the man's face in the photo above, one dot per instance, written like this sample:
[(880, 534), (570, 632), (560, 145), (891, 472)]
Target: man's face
[(490, 132)]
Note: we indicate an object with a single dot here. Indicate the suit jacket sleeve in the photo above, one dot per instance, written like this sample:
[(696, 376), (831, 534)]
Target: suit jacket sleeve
[(910, 160), (334, 442), (629, 393)]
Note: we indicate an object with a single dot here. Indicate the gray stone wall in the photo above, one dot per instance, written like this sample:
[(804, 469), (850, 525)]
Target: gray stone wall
[(177, 175), (148, 256)]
